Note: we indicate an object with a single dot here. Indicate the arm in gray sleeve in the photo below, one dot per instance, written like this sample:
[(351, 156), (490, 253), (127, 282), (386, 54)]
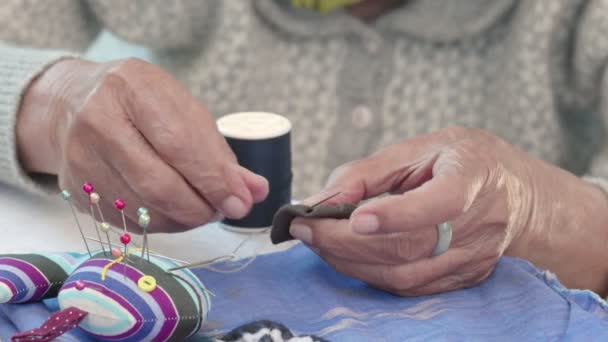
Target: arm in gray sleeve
[(33, 36), (18, 67), (587, 84)]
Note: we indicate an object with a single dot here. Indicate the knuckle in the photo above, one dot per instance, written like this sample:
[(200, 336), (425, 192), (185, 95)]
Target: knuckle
[(118, 77), (114, 79), (154, 189), (173, 142), (104, 100), (398, 246), (213, 184), (85, 120)]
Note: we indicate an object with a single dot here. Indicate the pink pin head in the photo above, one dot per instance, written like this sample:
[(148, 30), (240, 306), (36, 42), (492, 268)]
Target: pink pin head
[(88, 188), (120, 204), (79, 285), (116, 252), (125, 238)]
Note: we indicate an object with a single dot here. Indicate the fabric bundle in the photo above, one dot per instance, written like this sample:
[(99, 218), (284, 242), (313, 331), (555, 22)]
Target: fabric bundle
[(294, 296)]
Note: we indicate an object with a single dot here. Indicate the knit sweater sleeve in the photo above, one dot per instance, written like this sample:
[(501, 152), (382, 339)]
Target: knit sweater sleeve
[(18, 67), (34, 35), (590, 59)]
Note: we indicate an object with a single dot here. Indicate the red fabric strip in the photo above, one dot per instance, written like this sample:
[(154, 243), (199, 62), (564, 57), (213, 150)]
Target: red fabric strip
[(58, 324)]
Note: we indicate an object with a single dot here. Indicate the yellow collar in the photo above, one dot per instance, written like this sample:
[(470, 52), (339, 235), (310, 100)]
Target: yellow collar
[(323, 6)]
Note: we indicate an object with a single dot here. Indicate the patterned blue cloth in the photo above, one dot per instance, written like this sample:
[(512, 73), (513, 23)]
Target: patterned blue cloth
[(296, 288), (518, 302)]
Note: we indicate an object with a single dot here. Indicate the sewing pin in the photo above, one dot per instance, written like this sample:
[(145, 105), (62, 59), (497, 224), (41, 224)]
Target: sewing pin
[(227, 257), (104, 226), (93, 198), (116, 252), (112, 246), (203, 263), (125, 238), (326, 199), (67, 196), (144, 221)]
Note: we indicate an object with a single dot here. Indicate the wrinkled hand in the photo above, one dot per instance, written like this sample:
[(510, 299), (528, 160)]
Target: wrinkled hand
[(136, 134), (478, 183)]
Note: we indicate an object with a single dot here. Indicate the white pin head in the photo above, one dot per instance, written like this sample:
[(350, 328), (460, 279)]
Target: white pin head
[(94, 197), (105, 227)]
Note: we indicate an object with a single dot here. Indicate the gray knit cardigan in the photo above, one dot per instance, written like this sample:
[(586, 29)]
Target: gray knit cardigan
[(531, 71)]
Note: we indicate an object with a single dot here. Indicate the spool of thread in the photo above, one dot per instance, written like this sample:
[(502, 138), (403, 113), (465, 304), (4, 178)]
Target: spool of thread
[(262, 144)]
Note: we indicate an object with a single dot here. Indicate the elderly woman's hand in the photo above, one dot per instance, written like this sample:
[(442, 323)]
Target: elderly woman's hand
[(135, 133), (496, 198)]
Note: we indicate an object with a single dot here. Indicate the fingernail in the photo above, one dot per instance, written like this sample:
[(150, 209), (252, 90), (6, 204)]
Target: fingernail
[(301, 232), (233, 207), (217, 217), (261, 178), (365, 224)]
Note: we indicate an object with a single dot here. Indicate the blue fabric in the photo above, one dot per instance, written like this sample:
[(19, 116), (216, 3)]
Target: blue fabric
[(296, 288), (7, 328), (518, 302)]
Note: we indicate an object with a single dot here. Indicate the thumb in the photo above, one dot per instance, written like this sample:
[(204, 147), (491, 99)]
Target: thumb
[(257, 185), (441, 199)]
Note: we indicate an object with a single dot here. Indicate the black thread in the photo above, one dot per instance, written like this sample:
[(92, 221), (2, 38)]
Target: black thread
[(270, 158)]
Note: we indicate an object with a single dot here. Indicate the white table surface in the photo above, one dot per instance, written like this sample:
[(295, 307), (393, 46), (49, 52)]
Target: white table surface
[(29, 223)]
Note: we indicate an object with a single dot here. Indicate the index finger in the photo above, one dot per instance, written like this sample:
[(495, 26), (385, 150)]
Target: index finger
[(185, 136), (439, 200), (396, 168)]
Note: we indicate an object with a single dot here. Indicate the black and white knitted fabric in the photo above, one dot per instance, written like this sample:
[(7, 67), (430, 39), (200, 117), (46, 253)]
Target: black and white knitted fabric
[(266, 331)]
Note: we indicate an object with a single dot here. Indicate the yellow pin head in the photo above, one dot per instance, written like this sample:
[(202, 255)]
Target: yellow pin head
[(146, 283)]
